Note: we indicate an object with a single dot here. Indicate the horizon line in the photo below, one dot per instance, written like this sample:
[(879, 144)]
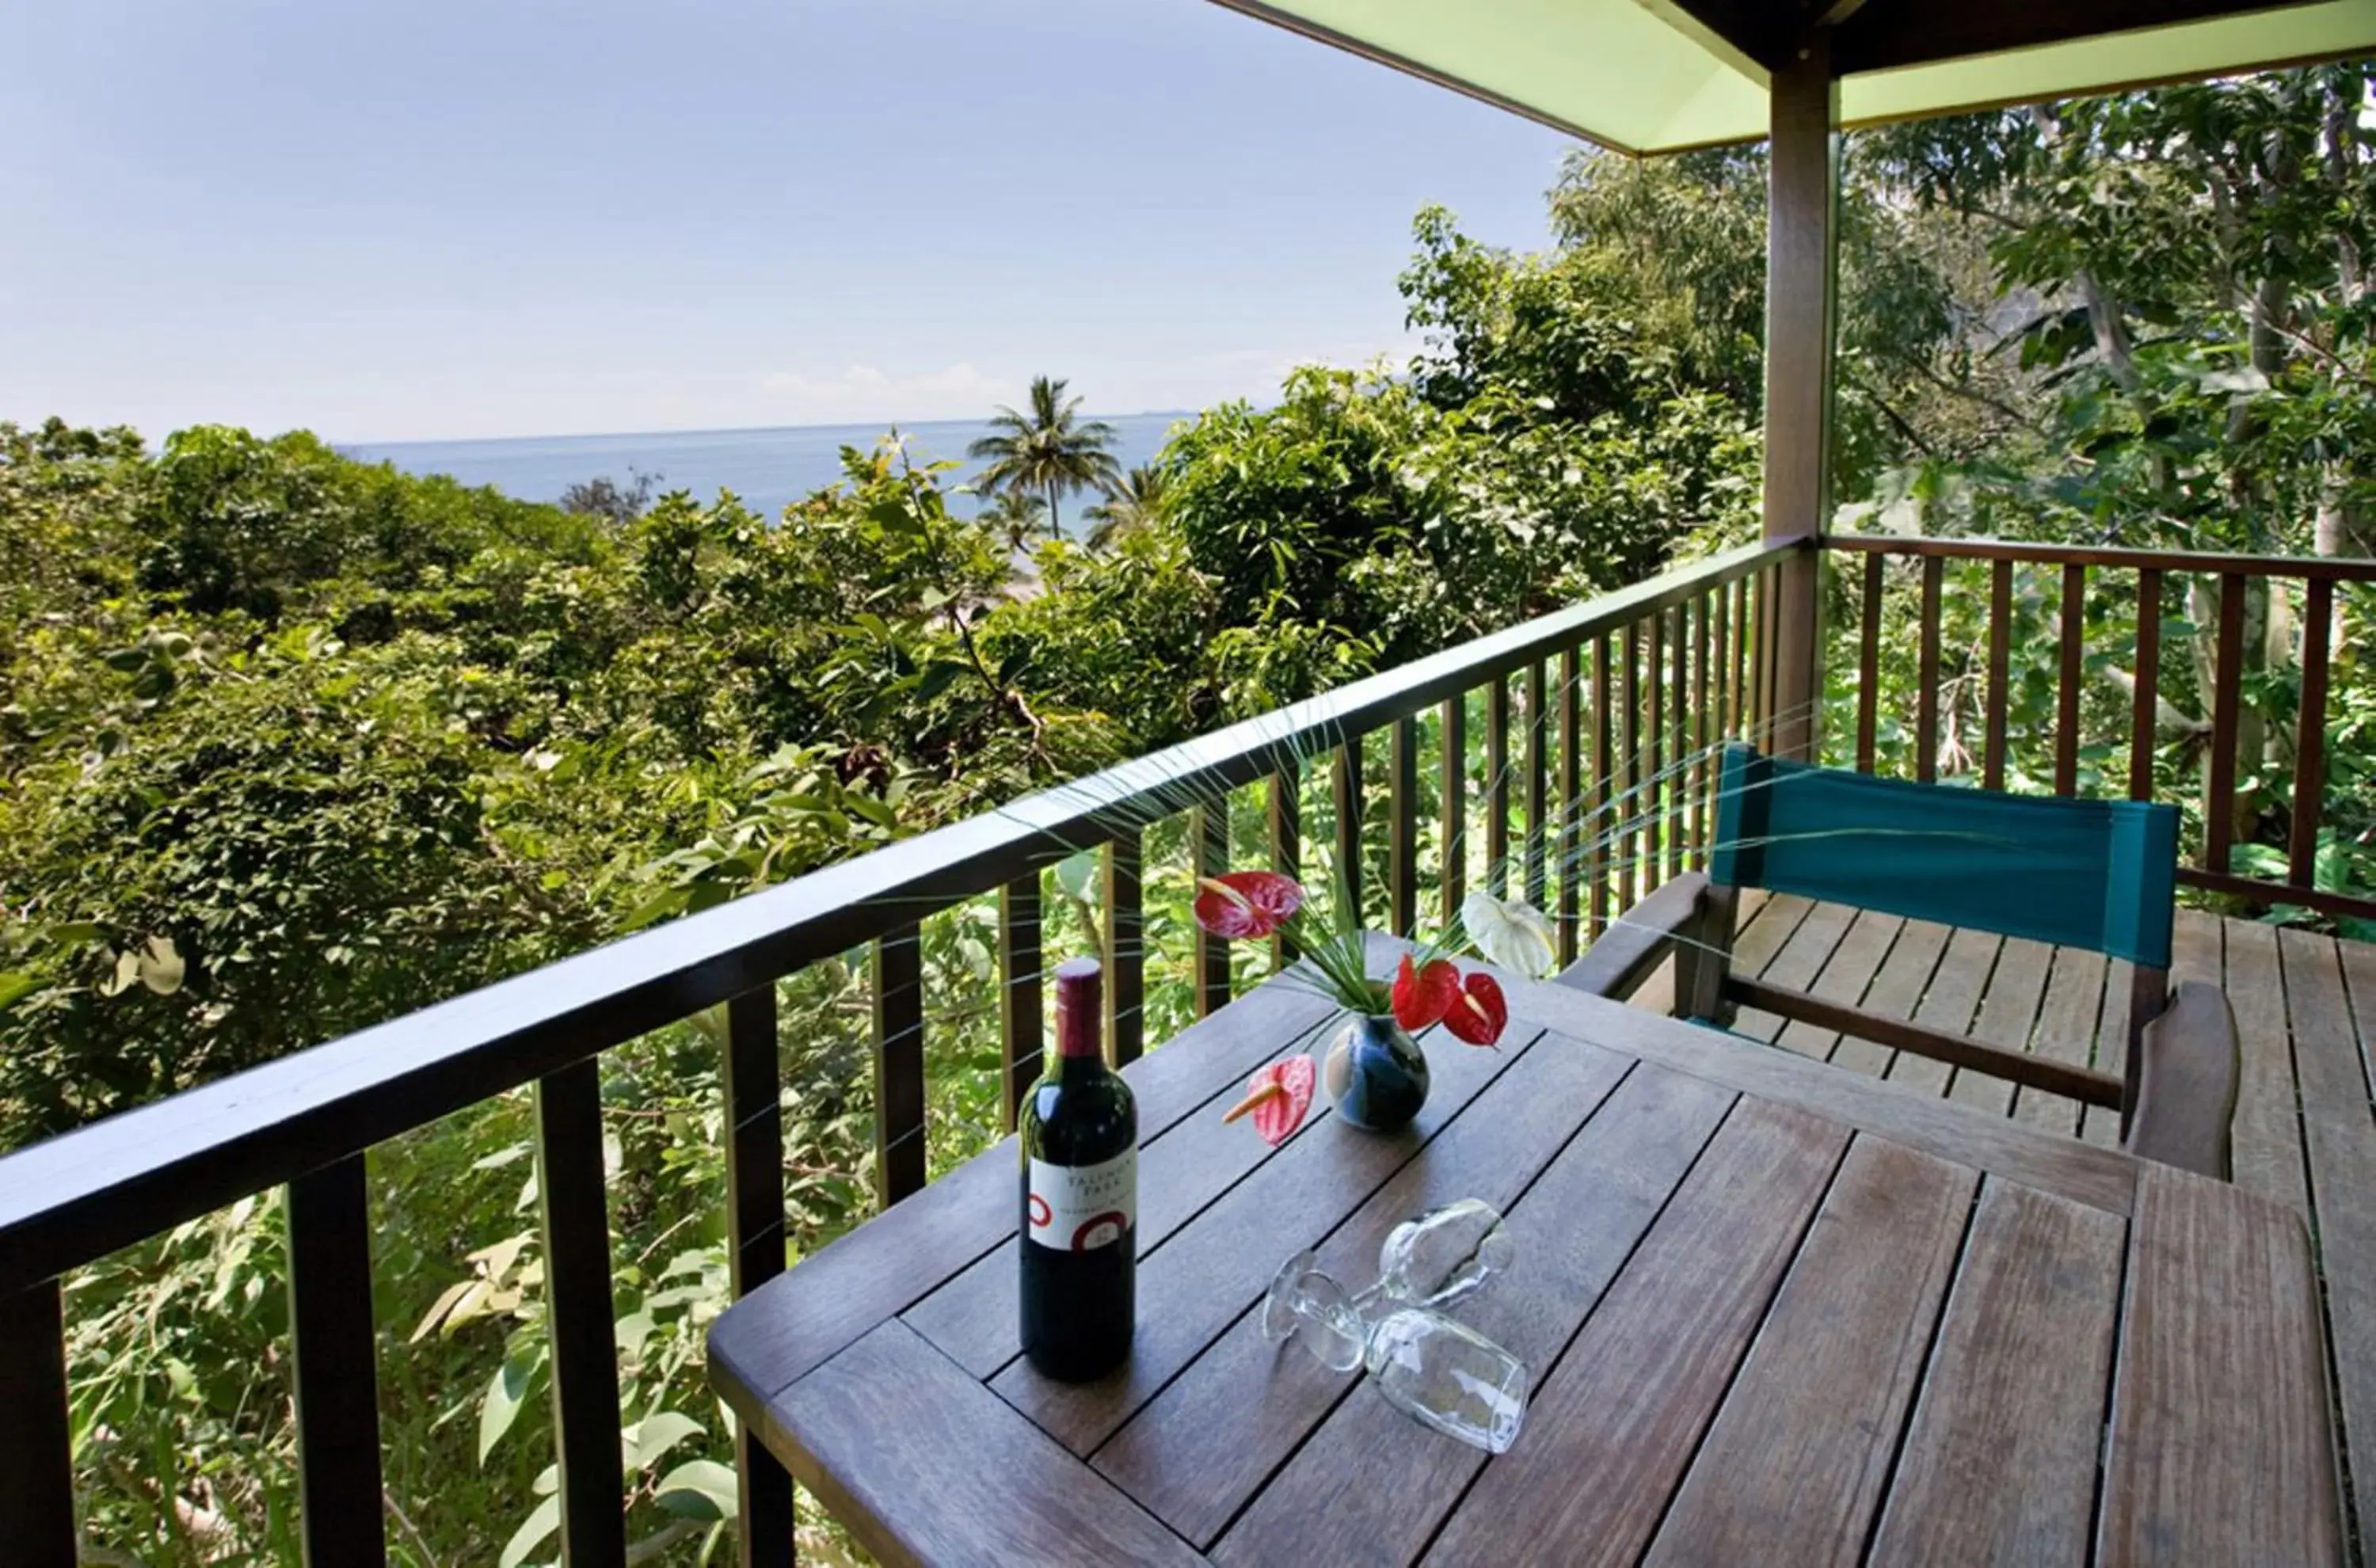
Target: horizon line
[(884, 426)]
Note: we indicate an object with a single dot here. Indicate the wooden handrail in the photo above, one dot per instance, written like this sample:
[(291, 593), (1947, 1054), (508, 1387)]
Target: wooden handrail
[(2330, 568)]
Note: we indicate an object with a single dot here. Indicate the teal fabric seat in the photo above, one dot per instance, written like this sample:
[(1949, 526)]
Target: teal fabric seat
[(2097, 874), (2100, 875)]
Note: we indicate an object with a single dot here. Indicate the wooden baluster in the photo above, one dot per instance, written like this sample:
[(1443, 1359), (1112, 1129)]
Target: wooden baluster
[(332, 1343), (1497, 787), (1347, 784), (1125, 945), (1869, 665), (1604, 762), (1926, 723), (1571, 842), (1711, 614), (2144, 709), (37, 1503), (900, 1065), (1650, 787), (1628, 761), (1022, 1024), (2000, 669), (2309, 738), (1455, 806), (2219, 809), (1737, 725), (1402, 827), (1761, 665), (1286, 811), (1679, 744), (2066, 723), (754, 1237), (573, 1194), (1538, 773), (1208, 839)]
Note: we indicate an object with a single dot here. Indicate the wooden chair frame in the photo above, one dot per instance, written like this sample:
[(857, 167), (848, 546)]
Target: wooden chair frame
[(2176, 1096)]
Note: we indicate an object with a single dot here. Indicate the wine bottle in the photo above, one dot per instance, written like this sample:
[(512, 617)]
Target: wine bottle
[(1079, 1143)]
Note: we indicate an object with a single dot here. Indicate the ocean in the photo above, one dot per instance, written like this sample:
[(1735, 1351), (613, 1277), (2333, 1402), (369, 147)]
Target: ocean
[(766, 469)]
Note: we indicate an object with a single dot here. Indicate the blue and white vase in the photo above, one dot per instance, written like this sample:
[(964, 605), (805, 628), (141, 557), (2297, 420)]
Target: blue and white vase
[(1375, 1073)]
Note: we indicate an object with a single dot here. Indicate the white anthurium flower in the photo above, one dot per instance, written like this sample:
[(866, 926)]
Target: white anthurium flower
[(1510, 933)]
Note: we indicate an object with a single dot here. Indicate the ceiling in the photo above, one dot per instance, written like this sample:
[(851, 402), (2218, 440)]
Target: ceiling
[(1658, 76)]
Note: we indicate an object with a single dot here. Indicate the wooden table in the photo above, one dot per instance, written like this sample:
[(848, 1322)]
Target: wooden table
[(1777, 1312)]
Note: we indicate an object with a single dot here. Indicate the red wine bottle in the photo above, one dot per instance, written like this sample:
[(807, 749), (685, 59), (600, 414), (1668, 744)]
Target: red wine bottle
[(1079, 1131)]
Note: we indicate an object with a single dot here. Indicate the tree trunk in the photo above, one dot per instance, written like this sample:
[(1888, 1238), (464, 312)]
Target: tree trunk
[(2253, 734)]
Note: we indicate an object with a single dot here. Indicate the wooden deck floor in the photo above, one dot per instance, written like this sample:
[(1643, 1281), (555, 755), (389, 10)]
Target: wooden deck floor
[(2305, 1131)]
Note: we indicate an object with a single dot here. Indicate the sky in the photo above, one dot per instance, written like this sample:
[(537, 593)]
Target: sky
[(446, 218)]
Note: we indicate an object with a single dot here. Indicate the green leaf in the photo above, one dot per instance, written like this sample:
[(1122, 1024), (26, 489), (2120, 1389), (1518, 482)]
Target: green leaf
[(1078, 876), (507, 1393), (658, 1433), (938, 678), (541, 1521), (14, 984), (699, 1489)]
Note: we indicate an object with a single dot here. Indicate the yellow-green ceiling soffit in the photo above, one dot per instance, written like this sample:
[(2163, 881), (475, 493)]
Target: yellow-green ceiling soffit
[(1642, 76)]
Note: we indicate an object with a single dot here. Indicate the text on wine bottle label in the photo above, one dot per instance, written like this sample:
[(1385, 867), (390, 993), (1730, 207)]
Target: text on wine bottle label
[(1078, 1208)]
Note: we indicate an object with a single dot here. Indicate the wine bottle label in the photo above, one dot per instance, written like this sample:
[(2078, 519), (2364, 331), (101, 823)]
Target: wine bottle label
[(1078, 1208)]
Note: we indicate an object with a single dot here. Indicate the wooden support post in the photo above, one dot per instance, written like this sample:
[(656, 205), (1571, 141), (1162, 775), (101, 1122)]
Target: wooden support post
[(1800, 271)]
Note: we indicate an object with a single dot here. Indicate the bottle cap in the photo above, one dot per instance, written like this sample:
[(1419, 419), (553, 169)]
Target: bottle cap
[(1080, 1006)]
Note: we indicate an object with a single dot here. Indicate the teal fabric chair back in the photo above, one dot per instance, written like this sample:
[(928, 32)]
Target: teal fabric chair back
[(2077, 873)]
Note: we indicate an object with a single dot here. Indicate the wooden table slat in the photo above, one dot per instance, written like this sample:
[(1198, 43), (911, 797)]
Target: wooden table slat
[(1793, 1469), (972, 1482), (2267, 1128), (2339, 1135), (1369, 1485), (1999, 1463), (1617, 1419), (2220, 1453)]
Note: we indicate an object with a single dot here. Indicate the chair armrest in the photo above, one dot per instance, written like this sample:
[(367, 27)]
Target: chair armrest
[(2187, 1076), (1617, 964)]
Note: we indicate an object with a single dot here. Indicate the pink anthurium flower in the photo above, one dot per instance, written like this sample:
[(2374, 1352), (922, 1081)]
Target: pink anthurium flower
[(1480, 1014), (1278, 1099), (1422, 995), (1247, 903)]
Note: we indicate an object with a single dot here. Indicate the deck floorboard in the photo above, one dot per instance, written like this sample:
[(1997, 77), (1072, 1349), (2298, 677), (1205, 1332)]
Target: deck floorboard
[(2305, 1131)]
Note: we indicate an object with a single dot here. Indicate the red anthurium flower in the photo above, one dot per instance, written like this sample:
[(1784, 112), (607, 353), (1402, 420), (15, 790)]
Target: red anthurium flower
[(1481, 1013), (1423, 995), (1247, 903), (1278, 1099)]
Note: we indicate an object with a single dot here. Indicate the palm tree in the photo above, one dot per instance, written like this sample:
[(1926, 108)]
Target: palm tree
[(1017, 514), (1047, 452), (1128, 506)]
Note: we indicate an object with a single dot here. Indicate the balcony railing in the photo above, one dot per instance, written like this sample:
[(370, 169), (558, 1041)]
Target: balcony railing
[(1599, 721), (2257, 656)]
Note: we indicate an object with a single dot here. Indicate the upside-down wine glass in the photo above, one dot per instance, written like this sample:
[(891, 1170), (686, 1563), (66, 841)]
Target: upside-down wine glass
[(1441, 1374)]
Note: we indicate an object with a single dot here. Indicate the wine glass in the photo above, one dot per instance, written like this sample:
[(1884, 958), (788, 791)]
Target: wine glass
[(1441, 1374), (1438, 1257)]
